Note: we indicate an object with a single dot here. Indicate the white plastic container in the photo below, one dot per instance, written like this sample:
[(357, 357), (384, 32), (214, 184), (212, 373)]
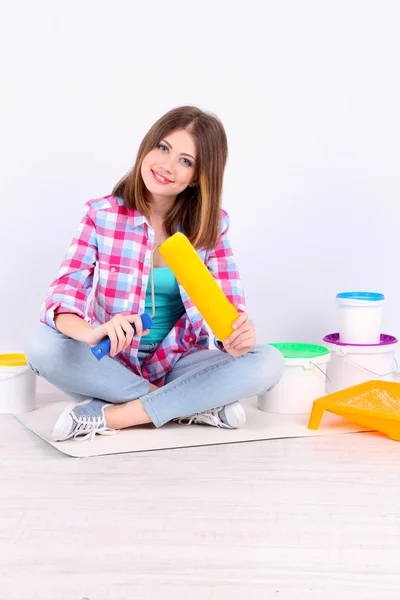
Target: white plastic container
[(353, 364), (302, 382), (17, 385), (360, 317)]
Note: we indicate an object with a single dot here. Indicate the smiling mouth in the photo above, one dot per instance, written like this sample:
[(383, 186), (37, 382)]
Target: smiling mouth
[(160, 178)]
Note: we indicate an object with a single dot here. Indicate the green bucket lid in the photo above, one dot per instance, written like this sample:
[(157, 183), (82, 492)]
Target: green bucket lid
[(292, 350)]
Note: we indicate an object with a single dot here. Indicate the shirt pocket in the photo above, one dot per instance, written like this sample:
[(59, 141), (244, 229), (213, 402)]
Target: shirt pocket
[(114, 286)]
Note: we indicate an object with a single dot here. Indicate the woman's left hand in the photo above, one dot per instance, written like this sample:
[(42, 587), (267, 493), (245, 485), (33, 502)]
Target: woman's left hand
[(242, 339)]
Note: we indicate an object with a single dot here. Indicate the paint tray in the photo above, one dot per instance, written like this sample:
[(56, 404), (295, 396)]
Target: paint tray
[(374, 404)]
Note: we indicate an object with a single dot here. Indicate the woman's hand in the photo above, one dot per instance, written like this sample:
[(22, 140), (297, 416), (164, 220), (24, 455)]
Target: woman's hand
[(242, 339), (120, 332)]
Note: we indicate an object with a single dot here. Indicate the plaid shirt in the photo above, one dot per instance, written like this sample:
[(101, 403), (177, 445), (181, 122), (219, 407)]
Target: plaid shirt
[(106, 271)]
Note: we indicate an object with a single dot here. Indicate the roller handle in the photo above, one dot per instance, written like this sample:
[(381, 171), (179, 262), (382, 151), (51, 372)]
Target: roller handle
[(104, 346)]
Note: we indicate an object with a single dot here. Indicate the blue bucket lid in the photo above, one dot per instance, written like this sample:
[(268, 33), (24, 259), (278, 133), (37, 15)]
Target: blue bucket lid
[(370, 296)]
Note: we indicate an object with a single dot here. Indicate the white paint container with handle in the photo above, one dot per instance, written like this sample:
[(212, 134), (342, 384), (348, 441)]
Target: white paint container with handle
[(17, 385)]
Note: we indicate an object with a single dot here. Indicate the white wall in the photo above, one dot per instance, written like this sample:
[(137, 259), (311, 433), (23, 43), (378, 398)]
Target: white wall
[(308, 92)]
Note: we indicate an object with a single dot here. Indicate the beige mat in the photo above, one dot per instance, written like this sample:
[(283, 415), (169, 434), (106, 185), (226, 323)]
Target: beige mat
[(259, 426)]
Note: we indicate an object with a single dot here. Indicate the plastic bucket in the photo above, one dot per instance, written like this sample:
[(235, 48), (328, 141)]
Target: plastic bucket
[(352, 364), (360, 317), (302, 382), (17, 385)]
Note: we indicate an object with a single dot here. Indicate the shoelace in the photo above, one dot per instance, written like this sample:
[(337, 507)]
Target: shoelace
[(208, 417), (88, 427)]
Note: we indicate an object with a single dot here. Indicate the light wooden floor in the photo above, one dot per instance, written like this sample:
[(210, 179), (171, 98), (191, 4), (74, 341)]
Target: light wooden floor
[(286, 519)]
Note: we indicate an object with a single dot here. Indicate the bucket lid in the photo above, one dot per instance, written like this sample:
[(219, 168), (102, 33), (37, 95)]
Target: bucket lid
[(300, 351), (369, 296), (12, 360), (334, 338)]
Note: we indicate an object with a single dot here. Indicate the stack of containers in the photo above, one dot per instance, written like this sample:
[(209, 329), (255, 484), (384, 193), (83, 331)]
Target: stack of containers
[(359, 351)]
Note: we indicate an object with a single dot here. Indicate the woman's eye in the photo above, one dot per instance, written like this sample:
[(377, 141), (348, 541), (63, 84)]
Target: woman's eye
[(162, 148), (187, 162)]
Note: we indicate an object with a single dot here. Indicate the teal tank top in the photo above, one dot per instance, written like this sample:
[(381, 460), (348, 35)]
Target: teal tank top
[(168, 303)]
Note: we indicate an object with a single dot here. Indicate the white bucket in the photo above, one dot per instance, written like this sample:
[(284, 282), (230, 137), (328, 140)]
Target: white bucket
[(302, 382), (360, 317), (352, 364), (17, 385)]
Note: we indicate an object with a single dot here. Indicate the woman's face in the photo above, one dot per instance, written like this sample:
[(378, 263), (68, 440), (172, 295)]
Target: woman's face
[(170, 168)]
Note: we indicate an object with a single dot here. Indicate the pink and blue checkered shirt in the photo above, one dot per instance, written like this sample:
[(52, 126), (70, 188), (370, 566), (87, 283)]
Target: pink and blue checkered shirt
[(106, 271)]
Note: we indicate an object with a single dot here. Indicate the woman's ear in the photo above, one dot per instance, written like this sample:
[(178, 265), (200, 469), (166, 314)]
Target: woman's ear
[(194, 183)]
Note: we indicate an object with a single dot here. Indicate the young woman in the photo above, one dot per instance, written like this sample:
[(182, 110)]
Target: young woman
[(166, 373)]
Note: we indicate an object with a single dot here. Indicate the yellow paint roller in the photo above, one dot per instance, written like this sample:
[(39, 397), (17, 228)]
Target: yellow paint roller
[(199, 284)]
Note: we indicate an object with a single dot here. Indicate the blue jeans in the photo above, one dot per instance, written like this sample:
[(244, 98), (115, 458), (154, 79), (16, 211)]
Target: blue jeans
[(202, 380)]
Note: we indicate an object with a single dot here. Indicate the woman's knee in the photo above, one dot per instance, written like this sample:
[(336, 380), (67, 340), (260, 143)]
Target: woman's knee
[(40, 348), (269, 366)]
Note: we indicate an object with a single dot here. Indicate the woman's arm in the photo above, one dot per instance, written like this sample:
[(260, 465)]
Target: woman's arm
[(73, 326), (69, 292), (221, 263)]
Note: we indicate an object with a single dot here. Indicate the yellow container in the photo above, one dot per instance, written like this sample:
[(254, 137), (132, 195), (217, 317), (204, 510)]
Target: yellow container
[(374, 404), (17, 385)]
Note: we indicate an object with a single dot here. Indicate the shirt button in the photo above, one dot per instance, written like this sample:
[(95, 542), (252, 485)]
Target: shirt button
[(112, 269)]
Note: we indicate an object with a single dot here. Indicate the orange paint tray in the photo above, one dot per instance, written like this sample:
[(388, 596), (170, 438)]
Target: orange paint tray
[(374, 404)]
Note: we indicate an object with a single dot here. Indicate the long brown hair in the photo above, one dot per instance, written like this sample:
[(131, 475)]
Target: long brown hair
[(197, 208)]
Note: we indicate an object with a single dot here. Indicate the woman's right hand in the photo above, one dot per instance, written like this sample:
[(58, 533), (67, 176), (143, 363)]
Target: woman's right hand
[(120, 331)]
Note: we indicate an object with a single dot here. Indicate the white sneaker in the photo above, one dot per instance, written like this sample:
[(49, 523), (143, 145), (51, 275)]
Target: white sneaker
[(230, 416), (84, 420)]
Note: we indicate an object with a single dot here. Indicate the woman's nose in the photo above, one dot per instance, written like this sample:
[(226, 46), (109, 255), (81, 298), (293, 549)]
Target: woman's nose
[(167, 163)]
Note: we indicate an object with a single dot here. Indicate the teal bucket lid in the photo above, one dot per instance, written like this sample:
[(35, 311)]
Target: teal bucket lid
[(369, 296), (300, 351)]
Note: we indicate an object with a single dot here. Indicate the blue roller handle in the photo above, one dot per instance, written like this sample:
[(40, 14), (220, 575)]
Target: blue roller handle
[(104, 346)]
